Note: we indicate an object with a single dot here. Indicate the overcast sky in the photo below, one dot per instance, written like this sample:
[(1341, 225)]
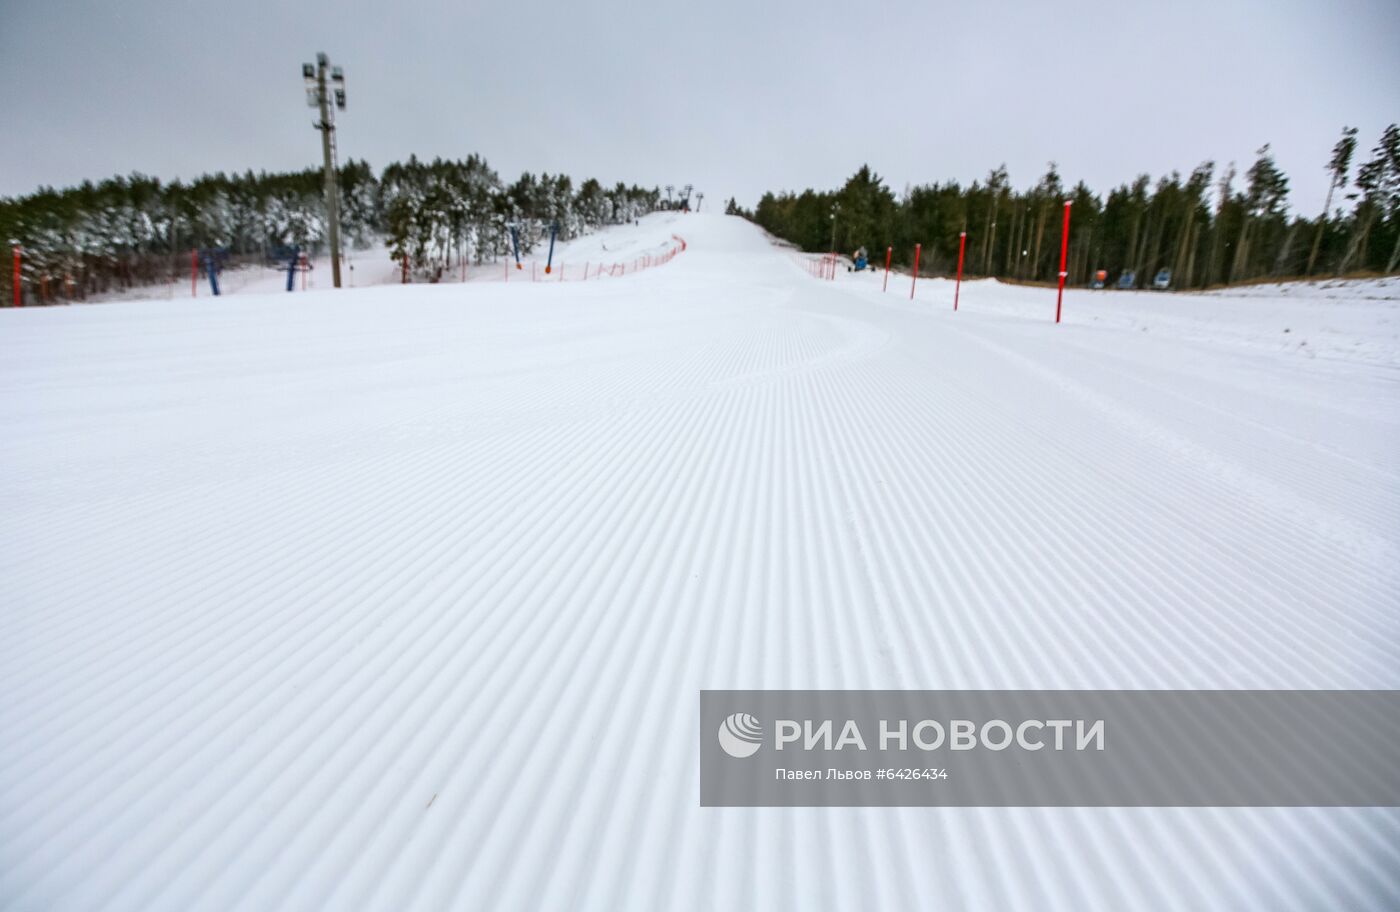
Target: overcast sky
[(735, 98)]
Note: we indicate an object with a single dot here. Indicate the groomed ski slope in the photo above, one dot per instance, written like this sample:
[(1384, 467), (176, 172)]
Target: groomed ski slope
[(402, 597)]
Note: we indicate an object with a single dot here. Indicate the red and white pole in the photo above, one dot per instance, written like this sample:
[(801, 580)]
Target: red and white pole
[(1064, 251), (957, 288), (889, 251), (917, 248), (19, 294), (194, 272)]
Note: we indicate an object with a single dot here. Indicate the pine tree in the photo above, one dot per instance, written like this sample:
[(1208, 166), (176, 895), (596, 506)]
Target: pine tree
[(1390, 189), (1377, 180), (1338, 167)]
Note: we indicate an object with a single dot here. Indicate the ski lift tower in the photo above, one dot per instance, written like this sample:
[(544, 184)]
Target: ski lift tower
[(685, 198), (319, 95), (669, 190)]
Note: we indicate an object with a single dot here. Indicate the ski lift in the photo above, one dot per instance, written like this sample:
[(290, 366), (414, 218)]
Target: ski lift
[(1163, 280), (1100, 279), (1127, 280)]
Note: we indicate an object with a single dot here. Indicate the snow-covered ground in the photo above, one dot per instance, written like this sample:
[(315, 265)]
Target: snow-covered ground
[(621, 245), (402, 597)]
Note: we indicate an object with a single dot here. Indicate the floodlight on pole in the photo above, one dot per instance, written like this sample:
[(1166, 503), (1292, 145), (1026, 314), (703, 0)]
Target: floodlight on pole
[(319, 95)]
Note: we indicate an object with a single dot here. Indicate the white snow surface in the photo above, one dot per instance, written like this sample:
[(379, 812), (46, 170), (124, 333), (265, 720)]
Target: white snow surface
[(620, 245), (402, 597)]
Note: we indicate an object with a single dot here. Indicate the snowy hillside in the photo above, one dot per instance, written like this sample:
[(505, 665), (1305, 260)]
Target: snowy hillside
[(402, 596), (619, 245)]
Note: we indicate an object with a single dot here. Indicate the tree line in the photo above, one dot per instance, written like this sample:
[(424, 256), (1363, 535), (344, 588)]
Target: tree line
[(137, 230), (1207, 227)]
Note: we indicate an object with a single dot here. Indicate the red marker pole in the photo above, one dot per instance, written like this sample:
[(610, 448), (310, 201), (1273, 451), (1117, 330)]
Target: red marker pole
[(19, 296), (962, 246), (194, 273), (1064, 251), (917, 248), (889, 251)]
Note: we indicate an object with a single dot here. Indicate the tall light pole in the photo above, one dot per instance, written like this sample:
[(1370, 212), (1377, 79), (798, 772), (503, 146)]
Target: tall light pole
[(318, 94)]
